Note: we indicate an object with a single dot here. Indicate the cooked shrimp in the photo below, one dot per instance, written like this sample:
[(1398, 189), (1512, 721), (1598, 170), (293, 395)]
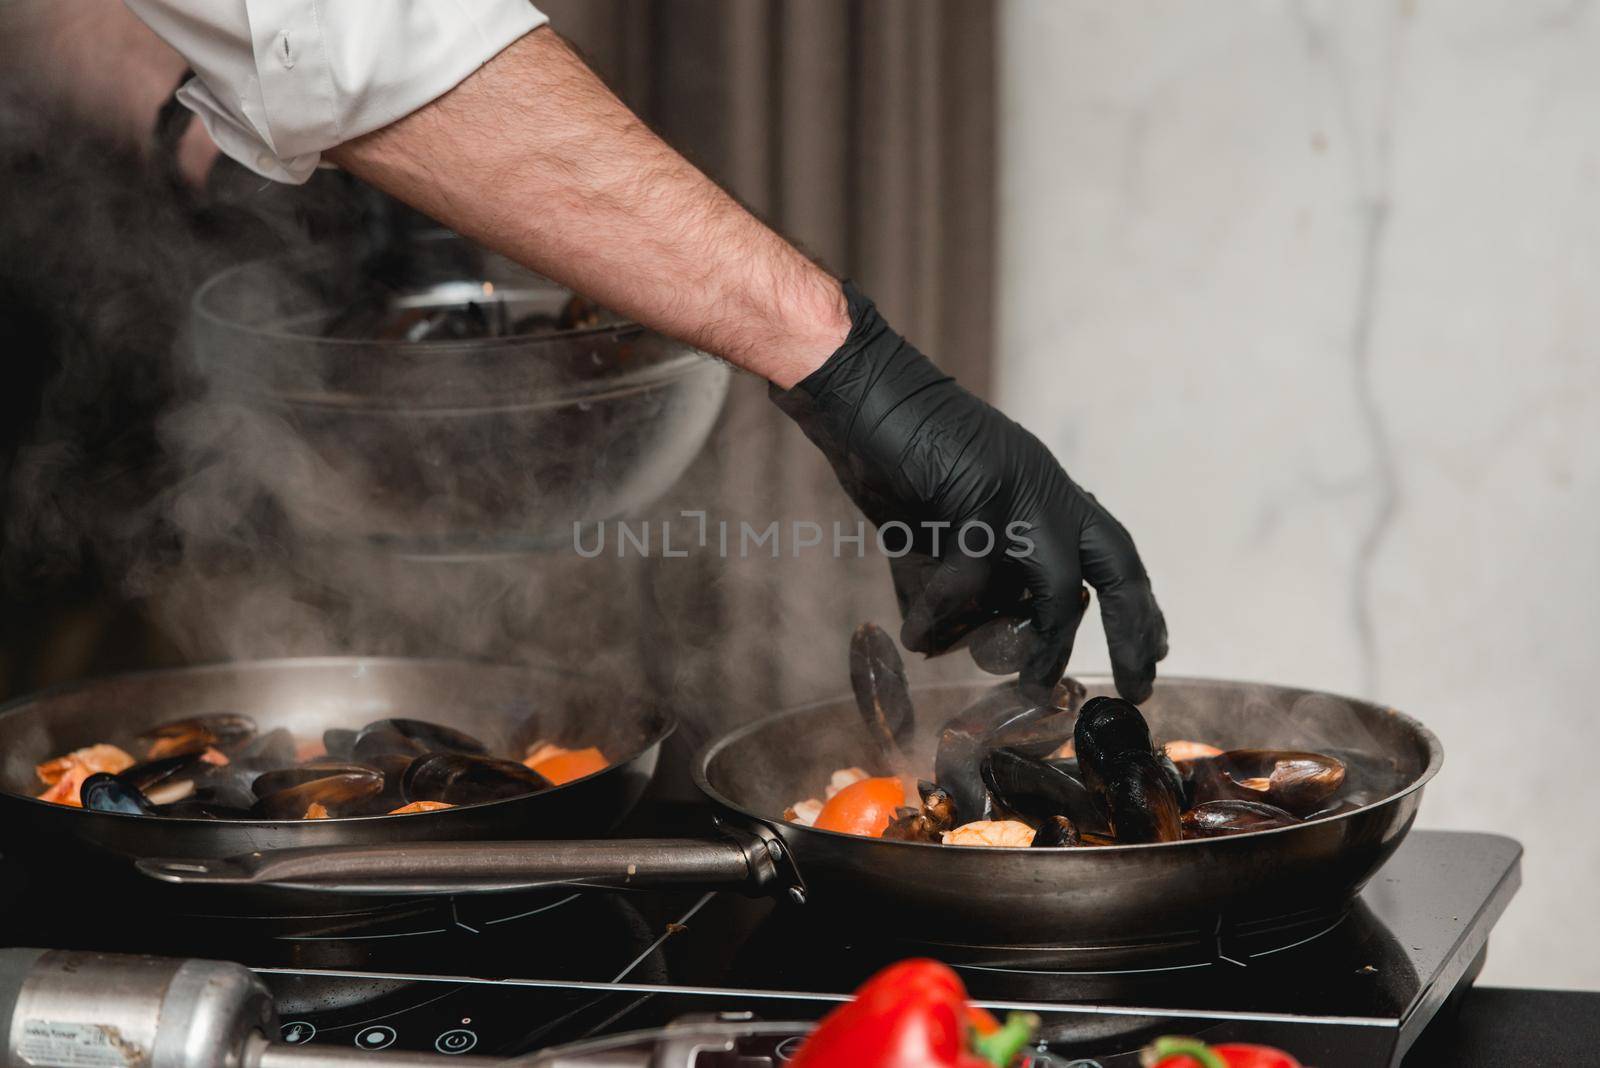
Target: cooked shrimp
[(1007, 833), (65, 774), (1189, 750), (419, 806)]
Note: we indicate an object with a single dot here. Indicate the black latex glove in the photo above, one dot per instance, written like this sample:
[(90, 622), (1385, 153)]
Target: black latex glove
[(910, 445)]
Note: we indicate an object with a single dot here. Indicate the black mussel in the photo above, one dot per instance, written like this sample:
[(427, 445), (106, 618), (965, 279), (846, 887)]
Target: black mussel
[(1371, 774), (1003, 645), (937, 805), (1233, 817), (339, 743), (967, 738), (1113, 747), (464, 779), (1368, 779), (1297, 781), (909, 825), (393, 766), (883, 696), (1067, 764), (1039, 791), (1180, 782), (338, 794), (1143, 805), (1037, 737), (271, 782), (166, 779), (274, 749), (226, 787), (925, 823), (222, 730), (378, 741), (101, 792), (1057, 832), (414, 737), (1108, 728)]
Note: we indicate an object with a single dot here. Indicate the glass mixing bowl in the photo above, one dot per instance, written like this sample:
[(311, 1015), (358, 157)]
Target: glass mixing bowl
[(520, 413)]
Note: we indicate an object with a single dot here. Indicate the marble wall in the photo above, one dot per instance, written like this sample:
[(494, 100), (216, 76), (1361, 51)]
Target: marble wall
[(1307, 293)]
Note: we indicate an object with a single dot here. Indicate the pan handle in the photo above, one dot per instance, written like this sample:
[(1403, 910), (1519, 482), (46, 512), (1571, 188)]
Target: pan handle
[(748, 860)]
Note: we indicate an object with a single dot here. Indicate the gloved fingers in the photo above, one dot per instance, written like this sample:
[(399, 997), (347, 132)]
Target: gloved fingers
[(949, 606), (1057, 600), (911, 572), (1136, 631)]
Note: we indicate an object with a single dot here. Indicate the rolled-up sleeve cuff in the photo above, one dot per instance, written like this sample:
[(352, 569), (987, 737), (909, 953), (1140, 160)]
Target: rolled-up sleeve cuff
[(327, 73)]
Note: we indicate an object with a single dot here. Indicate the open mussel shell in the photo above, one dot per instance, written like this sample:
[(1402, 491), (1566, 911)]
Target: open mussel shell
[(464, 779), (883, 696), (166, 778), (1215, 818), (342, 793), (1297, 781), (223, 730), (279, 779), (102, 792)]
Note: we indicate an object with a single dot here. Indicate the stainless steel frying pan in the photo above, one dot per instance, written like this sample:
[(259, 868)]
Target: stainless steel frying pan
[(1109, 904), (506, 707)]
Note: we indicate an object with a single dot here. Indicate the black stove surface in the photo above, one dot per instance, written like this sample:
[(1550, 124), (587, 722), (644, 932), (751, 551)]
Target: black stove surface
[(509, 975)]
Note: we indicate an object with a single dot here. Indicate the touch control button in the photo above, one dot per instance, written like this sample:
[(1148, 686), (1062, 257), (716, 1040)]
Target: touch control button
[(296, 1032), (458, 1041), (379, 1037)]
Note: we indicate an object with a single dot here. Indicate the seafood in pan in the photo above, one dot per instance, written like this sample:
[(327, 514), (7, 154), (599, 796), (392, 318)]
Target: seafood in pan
[(219, 766), (1061, 770)]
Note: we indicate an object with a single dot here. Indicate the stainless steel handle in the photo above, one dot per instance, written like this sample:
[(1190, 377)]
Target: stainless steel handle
[(740, 860)]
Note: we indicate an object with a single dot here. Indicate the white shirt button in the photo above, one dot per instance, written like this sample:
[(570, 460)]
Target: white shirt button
[(265, 162)]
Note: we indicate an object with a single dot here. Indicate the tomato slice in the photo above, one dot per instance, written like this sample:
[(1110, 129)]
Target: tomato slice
[(863, 807), (563, 765)]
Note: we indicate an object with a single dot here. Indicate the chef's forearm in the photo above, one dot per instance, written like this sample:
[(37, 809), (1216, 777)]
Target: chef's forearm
[(534, 157)]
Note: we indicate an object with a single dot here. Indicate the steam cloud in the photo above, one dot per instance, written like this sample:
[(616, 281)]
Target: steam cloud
[(134, 473)]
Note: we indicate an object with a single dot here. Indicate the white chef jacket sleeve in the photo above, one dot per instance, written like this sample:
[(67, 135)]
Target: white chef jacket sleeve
[(279, 81)]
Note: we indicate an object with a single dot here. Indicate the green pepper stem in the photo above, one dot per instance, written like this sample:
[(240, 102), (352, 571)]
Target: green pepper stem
[(1178, 1046), (1001, 1047)]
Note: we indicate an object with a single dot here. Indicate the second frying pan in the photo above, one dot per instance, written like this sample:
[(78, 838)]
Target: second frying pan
[(503, 706)]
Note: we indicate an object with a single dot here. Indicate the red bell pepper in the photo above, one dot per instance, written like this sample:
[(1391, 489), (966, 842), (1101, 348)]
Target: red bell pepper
[(913, 1015), (1175, 1052)]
